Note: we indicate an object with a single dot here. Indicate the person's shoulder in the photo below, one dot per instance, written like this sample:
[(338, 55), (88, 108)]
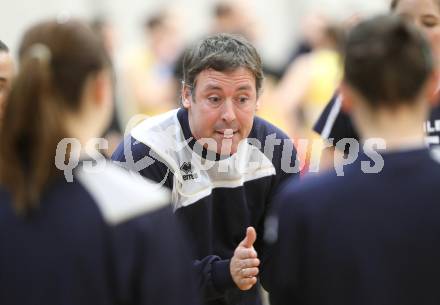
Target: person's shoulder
[(153, 135), (276, 145), (330, 113), (310, 183), (129, 145), (3, 193), (333, 123), (262, 129), (435, 112), (5, 203), (313, 191), (432, 165), (160, 133), (121, 195)]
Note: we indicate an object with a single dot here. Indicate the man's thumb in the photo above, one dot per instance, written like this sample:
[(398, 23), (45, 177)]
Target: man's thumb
[(251, 237)]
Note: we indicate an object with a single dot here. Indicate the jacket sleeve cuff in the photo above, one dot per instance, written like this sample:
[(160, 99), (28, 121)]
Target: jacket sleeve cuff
[(221, 275)]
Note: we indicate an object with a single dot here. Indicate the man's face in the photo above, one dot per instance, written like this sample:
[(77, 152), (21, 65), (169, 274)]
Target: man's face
[(223, 107), (6, 74)]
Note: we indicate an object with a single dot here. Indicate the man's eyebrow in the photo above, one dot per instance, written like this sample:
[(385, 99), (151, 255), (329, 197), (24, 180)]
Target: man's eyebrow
[(212, 87), (3, 79), (429, 15), (245, 87)]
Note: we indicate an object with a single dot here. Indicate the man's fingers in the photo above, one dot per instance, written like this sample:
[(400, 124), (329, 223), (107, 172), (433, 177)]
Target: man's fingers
[(249, 272), (245, 262), (250, 238), (247, 283), (245, 253), (249, 263)]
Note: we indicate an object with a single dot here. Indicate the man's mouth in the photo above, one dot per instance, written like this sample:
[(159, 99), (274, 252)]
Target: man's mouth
[(227, 133)]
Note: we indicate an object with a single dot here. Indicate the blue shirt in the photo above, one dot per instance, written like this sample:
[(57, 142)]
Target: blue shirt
[(95, 240), (336, 124), (360, 238)]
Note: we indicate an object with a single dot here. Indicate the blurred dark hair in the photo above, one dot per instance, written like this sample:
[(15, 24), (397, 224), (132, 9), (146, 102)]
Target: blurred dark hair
[(336, 34), (394, 3), (222, 9), (154, 21), (55, 61), (3, 47), (387, 61), (222, 52), (99, 23)]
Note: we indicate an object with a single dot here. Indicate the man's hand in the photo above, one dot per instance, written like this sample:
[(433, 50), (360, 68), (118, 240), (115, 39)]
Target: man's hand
[(244, 264)]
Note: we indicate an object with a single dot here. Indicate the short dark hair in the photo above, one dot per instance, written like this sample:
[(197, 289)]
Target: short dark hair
[(222, 52), (387, 60), (3, 47)]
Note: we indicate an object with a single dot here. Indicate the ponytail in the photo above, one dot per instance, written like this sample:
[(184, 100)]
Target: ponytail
[(55, 61), (30, 131)]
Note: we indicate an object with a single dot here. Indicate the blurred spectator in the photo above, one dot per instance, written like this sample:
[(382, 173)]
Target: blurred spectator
[(310, 82), (237, 17), (311, 29), (6, 74), (150, 86), (234, 17), (105, 31)]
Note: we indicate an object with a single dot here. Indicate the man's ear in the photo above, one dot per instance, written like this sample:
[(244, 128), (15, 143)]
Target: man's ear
[(186, 96), (346, 94), (258, 104)]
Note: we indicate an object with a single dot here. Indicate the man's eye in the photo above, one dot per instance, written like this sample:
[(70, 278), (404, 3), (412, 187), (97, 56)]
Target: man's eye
[(243, 99), (429, 22), (214, 99)]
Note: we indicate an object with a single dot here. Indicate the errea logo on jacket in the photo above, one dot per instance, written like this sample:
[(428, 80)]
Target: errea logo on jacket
[(186, 169)]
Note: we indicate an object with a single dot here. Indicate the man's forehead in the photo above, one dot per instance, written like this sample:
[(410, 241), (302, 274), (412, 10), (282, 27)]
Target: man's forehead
[(241, 78)]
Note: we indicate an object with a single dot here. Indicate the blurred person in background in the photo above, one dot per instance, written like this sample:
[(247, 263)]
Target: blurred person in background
[(105, 31), (6, 74), (311, 28), (234, 17), (99, 235), (308, 85), (334, 124), (227, 16), (149, 84), (368, 237)]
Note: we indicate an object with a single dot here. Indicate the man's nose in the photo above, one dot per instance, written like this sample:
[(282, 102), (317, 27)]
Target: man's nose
[(228, 111)]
